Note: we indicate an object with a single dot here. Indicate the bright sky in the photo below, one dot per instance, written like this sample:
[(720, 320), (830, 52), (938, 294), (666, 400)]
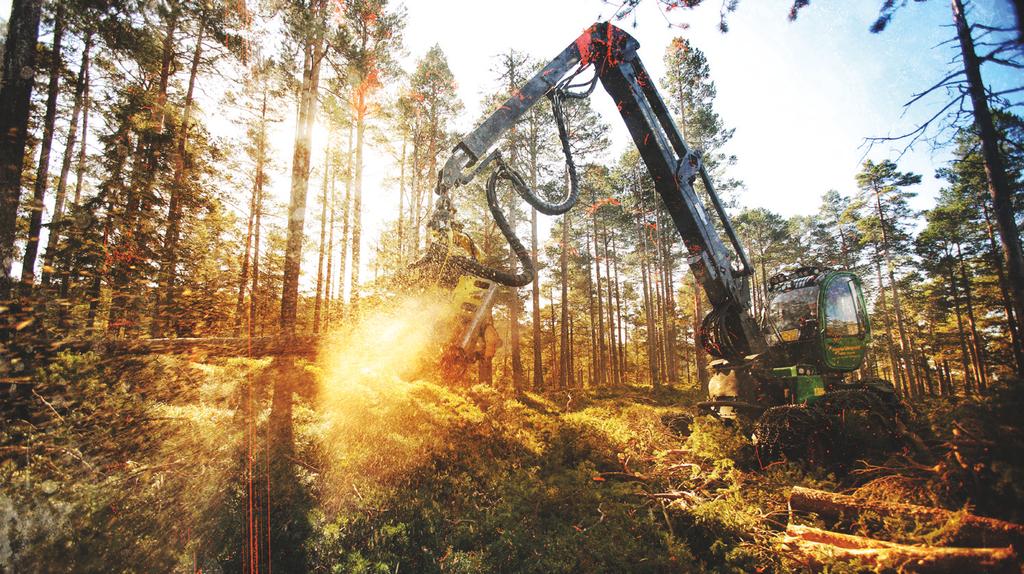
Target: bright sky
[(802, 96)]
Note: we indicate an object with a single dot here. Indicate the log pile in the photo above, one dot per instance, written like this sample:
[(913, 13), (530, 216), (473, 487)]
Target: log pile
[(816, 548), (978, 544)]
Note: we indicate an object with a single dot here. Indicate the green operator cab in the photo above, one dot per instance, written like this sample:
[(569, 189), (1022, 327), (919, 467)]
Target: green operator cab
[(818, 329)]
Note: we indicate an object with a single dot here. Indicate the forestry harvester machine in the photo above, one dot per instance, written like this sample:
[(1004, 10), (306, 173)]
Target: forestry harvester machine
[(787, 374)]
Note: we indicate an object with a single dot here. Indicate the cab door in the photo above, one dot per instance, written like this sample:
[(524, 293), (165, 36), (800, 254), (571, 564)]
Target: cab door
[(843, 322)]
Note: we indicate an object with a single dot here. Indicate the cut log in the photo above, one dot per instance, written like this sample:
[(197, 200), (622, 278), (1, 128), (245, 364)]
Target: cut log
[(964, 529), (816, 548), (210, 346)]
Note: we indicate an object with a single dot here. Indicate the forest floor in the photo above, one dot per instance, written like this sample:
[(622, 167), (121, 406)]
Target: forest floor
[(172, 463)]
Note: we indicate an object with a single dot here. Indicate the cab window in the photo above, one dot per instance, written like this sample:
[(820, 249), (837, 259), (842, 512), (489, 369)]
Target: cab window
[(842, 309), (790, 311)]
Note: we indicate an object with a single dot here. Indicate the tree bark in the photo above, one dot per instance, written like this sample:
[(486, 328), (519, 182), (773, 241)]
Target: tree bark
[(323, 244), (35, 224), (15, 105), (300, 184)]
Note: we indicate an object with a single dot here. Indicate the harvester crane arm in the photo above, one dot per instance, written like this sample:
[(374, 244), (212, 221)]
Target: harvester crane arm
[(729, 330)]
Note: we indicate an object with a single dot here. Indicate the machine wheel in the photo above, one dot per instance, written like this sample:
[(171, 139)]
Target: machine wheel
[(867, 419), (795, 432)]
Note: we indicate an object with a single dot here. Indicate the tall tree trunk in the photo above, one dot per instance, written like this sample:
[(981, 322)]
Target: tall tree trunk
[(357, 201), (887, 319), (15, 105), (897, 307), (602, 357), (401, 203), (35, 223), (243, 274), (995, 170), (623, 339), (670, 308), (414, 187), (978, 355), (101, 269), (652, 343), (83, 148), (323, 244), (300, 185), (964, 354), (564, 374), (538, 360), (53, 239), (613, 335), (329, 289), (516, 350), (700, 360), (261, 151), (164, 320), (555, 370)]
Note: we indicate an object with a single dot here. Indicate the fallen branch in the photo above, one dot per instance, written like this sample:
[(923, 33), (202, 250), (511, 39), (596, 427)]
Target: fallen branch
[(817, 548), (964, 529)]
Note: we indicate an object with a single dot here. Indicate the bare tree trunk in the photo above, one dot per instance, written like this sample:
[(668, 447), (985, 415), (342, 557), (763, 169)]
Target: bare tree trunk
[(564, 374), (652, 343), (613, 336), (968, 382), (602, 357), (243, 274), (995, 170), (538, 361), (670, 308), (15, 106), (623, 338), (300, 184), (261, 150), (893, 361), (401, 203), (35, 225), (357, 202), (53, 240), (513, 312), (555, 357), (978, 356), (346, 214), (83, 149), (329, 288), (323, 244)]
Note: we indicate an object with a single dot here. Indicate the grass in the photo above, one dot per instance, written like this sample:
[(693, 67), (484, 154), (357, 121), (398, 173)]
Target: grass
[(162, 464)]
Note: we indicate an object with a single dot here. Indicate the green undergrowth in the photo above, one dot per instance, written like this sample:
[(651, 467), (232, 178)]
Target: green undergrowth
[(166, 464)]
